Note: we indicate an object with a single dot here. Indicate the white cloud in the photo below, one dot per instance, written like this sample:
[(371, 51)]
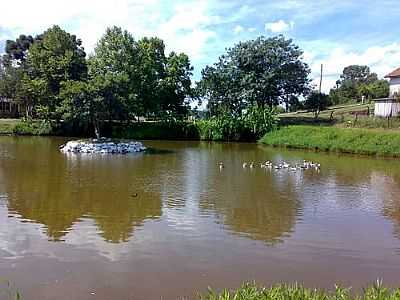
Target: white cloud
[(251, 29), (279, 26), (187, 30), (183, 26), (238, 29), (380, 59)]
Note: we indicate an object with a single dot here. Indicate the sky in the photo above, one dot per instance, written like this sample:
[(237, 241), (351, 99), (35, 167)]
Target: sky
[(335, 33)]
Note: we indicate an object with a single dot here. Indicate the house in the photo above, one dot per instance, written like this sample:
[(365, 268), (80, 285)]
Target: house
[(390, 107), (394, 82), (8, 108)]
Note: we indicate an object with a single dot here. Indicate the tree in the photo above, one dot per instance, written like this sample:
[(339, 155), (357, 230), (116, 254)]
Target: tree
[(264, 71), (113, 68), (358, 74), (82, 104), (175, 88), (14, 70), (356, 81), (151, 70), (57, 57), (317, 102), (379, 89), (17, 50)]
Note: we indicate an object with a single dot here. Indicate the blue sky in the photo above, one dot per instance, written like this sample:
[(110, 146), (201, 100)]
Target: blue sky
[(335, 33)]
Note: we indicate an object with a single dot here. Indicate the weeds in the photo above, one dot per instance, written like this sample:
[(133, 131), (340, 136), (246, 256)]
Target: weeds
[(250, 291)]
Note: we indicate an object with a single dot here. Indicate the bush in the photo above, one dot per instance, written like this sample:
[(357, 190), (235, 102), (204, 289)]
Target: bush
[(28, 127), (253, 124)]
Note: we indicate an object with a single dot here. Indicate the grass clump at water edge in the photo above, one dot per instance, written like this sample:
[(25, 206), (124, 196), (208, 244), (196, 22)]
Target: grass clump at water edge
[(346, 140), (250, 291)]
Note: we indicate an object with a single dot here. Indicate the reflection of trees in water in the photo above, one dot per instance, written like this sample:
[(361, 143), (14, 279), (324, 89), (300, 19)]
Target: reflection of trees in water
[(45, 187), (249, 202), (387, 189), (356, 182)]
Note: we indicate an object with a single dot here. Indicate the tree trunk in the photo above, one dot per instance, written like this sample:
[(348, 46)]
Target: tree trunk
[(96, 128)]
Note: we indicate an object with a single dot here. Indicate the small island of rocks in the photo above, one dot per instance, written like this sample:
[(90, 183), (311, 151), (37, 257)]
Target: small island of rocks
[(102, 146)]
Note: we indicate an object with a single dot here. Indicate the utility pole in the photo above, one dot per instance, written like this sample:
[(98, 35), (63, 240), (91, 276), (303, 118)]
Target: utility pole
[(319, 95), (320, 79)]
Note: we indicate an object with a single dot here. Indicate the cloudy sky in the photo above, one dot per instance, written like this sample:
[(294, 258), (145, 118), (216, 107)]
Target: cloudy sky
[(333, 32)]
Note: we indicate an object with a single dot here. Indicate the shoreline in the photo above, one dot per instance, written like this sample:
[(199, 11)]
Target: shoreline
[(379, 143)]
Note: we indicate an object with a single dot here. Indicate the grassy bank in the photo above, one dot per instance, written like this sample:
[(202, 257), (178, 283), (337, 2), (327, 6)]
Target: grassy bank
[(297, 292), (347, 140)]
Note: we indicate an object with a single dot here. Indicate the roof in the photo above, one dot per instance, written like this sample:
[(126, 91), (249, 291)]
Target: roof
[(395, 73)]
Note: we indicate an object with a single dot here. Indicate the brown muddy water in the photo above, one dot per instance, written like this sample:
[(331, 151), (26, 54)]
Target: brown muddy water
[(170, 223)]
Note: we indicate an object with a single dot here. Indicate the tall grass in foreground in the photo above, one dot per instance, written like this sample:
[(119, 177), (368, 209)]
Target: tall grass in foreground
[(250, 291), (8, 292), (347, 140)]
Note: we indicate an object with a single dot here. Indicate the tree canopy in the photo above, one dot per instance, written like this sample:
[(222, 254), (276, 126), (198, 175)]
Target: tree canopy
[(357, 81), (264, 71)]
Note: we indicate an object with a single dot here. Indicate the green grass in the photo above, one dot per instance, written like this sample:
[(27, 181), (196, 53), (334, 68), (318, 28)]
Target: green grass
[(345, 115), (348, 140), (250, 291), (7, 125)]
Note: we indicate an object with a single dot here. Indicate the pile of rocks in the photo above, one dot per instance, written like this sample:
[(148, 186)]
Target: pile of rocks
[(103, 146)]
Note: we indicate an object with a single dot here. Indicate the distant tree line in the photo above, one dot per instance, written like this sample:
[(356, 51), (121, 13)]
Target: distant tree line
[(53, 79), (357, 82)]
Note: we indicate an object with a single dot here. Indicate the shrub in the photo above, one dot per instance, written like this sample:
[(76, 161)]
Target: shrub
[(28, 127)]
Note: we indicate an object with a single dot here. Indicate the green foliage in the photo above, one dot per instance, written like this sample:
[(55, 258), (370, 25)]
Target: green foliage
[(317, 102), (253, 124), (17, 50), (250, 291), (137, 78), (356, 82), (176, 130), (29, 127), (265, 71), (348, 140), (57, 57), (224, 127)]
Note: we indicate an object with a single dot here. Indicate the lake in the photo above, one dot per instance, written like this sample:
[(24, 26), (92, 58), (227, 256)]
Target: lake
[(169, 223)]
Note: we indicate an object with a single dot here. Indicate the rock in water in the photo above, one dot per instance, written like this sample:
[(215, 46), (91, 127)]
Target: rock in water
[(103, 146)]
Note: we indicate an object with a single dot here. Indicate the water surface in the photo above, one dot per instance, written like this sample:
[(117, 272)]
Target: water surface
[(170, 223)]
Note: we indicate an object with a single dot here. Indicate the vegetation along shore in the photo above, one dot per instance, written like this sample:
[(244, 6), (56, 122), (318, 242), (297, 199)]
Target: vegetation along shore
[(346, 140), (250, 291)]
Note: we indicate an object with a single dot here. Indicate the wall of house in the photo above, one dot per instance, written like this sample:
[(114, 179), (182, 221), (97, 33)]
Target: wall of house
[(394, 86), (387, 109)]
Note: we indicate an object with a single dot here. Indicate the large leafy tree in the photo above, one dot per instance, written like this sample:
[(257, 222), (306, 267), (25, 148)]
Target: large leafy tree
[(175, 87), (357, 81), (17, 50), (14, 69), (358, 74), (150, 71), (264, 71), (112, 69), (57, 57)]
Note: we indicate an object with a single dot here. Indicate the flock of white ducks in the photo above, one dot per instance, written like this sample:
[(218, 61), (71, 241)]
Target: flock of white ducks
[(306, 165)]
